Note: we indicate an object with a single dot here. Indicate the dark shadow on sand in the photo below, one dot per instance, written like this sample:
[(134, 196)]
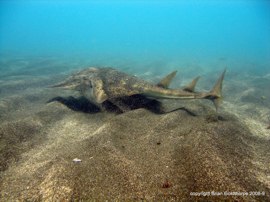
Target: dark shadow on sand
[(77, 104), (118, 105), (139, 101)]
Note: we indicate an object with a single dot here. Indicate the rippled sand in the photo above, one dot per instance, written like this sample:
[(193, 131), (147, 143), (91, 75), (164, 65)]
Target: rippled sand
[(134, 155)]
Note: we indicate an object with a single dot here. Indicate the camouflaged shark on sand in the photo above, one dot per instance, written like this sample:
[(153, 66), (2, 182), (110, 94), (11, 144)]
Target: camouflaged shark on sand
[(106, 84)]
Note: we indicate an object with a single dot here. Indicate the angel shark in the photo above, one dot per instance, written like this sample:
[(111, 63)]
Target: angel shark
[(106, 84)]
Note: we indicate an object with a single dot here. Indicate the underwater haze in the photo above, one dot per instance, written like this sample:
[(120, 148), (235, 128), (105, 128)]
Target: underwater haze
[(187, 31), (122, 130)]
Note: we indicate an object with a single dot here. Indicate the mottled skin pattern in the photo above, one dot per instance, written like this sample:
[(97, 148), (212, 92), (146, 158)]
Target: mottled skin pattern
[(101, 84), (119, 84)]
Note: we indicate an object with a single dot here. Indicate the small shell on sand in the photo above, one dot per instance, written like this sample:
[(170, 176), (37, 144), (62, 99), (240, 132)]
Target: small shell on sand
[(76, 160)]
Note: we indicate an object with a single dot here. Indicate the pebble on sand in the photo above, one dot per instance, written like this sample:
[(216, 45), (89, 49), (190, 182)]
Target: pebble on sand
[(76, 160)]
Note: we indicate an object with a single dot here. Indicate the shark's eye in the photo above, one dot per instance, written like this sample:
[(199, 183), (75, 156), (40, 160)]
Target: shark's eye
[(86, 82), (90, 84)]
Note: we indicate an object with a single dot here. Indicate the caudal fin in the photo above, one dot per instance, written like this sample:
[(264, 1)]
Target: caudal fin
[(216, 93)]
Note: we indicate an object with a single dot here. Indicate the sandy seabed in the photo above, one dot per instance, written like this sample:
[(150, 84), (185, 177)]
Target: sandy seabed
[(186, 155)]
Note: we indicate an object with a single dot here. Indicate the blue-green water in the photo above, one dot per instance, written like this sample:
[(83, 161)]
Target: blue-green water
[(56, 145), (209, 33)]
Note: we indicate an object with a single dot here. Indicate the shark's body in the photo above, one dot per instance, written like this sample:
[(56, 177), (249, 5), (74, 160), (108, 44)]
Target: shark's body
[(102, 84)]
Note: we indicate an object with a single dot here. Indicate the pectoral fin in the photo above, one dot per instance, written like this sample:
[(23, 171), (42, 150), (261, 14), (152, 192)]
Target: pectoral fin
[(166, 81)]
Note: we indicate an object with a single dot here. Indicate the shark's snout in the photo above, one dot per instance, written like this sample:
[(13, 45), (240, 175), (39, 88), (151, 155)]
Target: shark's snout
[(68, 85)]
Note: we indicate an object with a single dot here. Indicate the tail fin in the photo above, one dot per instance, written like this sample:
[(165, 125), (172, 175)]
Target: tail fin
[(216, 93)]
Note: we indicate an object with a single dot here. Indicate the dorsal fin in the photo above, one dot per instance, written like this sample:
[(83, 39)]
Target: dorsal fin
[(166, 81), (191, 86)]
